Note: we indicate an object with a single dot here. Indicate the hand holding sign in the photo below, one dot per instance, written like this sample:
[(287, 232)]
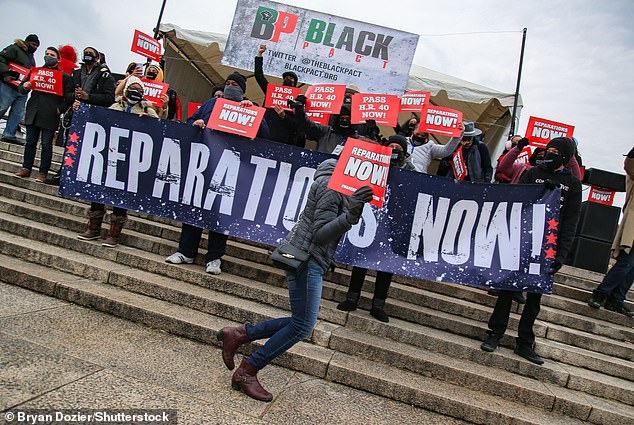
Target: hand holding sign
[(359, 198)]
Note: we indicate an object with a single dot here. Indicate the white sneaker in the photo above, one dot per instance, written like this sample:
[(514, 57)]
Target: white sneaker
[(213, 267), (178, 258)]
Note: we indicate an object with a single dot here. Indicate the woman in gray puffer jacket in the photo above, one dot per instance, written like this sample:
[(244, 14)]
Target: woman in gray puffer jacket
[(326, 217)]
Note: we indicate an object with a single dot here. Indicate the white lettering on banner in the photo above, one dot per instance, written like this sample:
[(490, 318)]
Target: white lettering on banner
[(363, 233), (364, 170), (301, 185), (93, 143), (168, 170), (194, 181), (140, 161), (545, 133), (151, 46), (115, 156), (277, 200), (262, 166), (235, 116), (226, 171), (440, 120), (459, 222)]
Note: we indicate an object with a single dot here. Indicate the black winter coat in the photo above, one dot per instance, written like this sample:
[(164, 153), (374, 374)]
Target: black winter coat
[(323, 220), (570, 203), (43, 109), (103, 92), (16, 53)]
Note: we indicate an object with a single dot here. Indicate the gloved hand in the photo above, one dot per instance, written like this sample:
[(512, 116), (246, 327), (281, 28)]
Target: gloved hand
[(554, 267), (523, 142), (551, 184), (358, 199)]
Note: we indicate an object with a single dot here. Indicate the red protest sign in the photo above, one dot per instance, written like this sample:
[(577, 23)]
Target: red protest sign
[(230, 117), (438, 120), (153, 91), (320, 117), (146, 46), (601, 196), (540, 131), (17, 71), (362, 164), (279, 95), (524, 156), (325, 98), (458, 165), (47, 80), (414, 101), (382, 108), (192, 107)]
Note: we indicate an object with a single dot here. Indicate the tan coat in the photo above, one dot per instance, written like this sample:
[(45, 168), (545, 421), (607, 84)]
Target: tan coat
[(143, 107), (624, 238)]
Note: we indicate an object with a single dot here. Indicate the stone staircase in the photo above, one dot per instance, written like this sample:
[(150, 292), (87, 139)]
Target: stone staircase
[(428, 355)]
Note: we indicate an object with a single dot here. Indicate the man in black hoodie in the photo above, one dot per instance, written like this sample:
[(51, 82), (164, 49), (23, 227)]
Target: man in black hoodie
[(552, 173)]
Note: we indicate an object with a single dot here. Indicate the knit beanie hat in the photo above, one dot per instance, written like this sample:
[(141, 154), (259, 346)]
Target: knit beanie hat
[(132, 80), (33, 38), (238, 78), (401, 140), (564, 145)]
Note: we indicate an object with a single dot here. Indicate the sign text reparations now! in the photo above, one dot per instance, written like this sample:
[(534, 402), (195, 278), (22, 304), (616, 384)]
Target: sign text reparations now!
[(230, 117), (429, 227), (439, 120)]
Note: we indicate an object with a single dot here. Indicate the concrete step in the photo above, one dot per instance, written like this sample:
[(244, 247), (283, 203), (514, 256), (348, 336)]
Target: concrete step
[(220, 304), (389, 381), (429, 302)]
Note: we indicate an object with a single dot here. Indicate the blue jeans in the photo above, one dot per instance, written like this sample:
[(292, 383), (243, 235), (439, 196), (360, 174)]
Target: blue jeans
[(32, 136), (190, 238), (10, 98), (304, 292), (618, 280)]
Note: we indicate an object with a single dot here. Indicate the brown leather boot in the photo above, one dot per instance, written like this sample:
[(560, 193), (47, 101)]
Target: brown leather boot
[(231, 338), (116, 226), (93, 227), (23, 173), (245, 379)]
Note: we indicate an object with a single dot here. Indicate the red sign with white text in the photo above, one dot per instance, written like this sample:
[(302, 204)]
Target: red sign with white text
[(47, 80), (153, 91), (279, 95), (230, 117), (601, 196), (362, 164), (524, 156), (382, 108), (414, 101), (17, 71), (540, 131), (320, 117), (146, 46), (438, 120), (458, 165), (192, 107), (325, 98)]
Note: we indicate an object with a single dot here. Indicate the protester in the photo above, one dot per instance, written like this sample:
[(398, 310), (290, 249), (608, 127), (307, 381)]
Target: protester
[(171, 102), (425, 150), (20, 53), (331, 138), (235, 86), (42, 118), (67, 59), (132, 102), (408, 128), (552, 173), (324, 220), (383, 280), (94, 85), (612, 291), (475, 155), (281, 123), (499, 176)]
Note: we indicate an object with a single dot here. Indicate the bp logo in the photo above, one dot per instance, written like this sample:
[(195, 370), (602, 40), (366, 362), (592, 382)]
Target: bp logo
[(270, 23)]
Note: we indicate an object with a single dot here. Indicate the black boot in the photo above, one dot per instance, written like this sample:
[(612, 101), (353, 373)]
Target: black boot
[(528, 353), (597, 300), (491, 343), (350, 304), (378, 312)]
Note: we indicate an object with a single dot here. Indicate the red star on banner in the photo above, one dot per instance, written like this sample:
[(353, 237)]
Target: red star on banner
[(551, 239), (68, 162), (71, 149), (550, 253), (73, 137), (552, 224)]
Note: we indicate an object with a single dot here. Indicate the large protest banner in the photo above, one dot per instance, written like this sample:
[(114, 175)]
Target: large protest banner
[(320, 48), (430, 227)]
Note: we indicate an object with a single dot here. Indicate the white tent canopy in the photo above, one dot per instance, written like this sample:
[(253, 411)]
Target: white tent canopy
[(193, 69)]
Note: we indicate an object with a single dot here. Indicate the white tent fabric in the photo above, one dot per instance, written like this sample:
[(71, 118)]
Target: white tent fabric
[(193, 67)]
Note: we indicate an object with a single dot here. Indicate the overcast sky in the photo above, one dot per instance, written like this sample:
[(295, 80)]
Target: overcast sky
[(577, 68)]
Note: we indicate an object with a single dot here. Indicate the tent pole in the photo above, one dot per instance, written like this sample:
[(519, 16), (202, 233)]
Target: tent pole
[(517, 87), (156, 30)]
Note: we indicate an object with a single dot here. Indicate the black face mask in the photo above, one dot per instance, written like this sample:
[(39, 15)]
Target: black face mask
[(288, 82), (418, 140), (552, 161), (88, 58), (31, 49), (344, 122), (151, 76), (134, 96), (398, 158)]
